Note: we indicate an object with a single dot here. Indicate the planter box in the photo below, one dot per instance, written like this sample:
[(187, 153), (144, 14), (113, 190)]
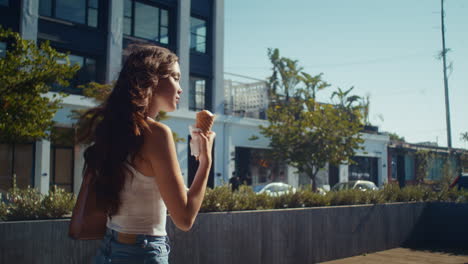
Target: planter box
[(274, 236)]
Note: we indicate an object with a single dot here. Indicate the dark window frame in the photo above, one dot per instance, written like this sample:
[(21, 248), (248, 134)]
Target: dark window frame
[(206, 103), (160, 26), (206, 20), (53, 14), (52, 174), (12, 161), (6, 49), (71, 89)]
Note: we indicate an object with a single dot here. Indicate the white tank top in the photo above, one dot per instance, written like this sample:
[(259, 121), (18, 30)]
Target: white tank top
[(142, 210)]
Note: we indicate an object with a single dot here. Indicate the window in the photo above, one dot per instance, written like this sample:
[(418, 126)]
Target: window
[(197, 93), (146, 21), (3, 47), (78, 11), (86, 73), (365, 169), (20, 156), (4, 2), (62, 158), (409, 168), (197, 35)]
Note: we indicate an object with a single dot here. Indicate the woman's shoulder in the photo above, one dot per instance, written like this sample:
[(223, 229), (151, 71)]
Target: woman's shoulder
[(158, 130)]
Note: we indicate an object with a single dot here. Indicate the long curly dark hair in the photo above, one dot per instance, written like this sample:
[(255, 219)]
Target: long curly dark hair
[(115, 128)]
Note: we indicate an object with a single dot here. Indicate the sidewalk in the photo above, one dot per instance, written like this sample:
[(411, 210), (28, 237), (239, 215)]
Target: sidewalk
[(405, 256)]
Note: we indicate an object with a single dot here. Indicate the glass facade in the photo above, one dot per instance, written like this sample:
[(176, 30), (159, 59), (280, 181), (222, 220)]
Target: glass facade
[(146, 21), (197, 93), (365, 168), (86, 73), (21, 158), (77, 11), (62, 158), (409, 168), (197, 35), (256, 167), (3, 47)]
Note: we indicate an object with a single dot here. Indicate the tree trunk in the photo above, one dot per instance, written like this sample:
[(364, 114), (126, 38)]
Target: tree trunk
[(312, 172)]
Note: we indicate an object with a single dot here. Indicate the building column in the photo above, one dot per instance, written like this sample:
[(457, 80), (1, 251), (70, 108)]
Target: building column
[(182, 154), (383, 166), (229, 152), (114, 40), (343, 173), (183, 50), (28, 19), (219, 167), (42, 167), (218, 57), (293, 177)]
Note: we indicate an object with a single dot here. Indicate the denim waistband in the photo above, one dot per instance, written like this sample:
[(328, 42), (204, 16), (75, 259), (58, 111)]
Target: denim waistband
[(140, 238)]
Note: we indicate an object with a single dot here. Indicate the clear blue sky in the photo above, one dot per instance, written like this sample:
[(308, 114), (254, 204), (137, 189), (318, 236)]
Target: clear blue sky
[(384, 48)]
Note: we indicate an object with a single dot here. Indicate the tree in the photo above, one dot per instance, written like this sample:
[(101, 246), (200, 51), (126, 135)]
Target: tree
[(304, 133), (464, 136), (396, 137), (27, 73), (282, 83)]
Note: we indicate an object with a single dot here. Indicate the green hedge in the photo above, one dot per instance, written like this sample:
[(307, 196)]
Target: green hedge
[(222, 198), (28, 204)]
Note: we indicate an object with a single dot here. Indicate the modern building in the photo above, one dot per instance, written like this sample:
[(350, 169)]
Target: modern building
[(245, 96), (95, 33), (411, 163)]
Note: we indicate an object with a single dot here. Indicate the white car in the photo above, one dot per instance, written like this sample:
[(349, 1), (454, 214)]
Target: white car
[(357, 185), (277, 189)]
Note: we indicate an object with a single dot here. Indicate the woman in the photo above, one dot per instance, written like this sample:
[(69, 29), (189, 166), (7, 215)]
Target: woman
[(133, 161)]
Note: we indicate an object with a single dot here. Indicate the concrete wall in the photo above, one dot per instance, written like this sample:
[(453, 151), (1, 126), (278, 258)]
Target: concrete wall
[(442, 225), (275, 236)]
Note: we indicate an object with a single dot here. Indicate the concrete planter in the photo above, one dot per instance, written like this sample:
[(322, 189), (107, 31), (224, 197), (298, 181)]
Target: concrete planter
[(273, 236)]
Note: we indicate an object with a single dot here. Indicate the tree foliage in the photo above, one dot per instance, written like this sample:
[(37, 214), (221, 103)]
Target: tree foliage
[(395, 137), (27, 73), (304, 133), (464, 136)]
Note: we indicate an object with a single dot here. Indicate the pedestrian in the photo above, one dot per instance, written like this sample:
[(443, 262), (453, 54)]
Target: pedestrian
[(235, 182), (133, 161)]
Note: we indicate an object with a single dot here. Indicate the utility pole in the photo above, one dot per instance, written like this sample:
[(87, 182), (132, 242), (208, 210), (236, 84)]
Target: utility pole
[(447, 104)]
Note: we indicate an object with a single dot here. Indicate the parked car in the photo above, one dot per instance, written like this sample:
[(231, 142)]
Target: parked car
[(355, 185), (277, 189), (461, 182)]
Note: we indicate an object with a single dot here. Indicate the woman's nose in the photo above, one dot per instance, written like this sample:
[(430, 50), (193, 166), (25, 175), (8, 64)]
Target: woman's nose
[(179, 91)]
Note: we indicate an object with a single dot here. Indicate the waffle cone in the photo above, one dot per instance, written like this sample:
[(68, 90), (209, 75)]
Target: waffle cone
[(205, 120)]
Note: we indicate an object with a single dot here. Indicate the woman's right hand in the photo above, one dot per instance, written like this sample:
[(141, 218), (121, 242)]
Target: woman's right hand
[(206, 146)]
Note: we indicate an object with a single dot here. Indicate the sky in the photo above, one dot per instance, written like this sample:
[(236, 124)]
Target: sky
[(385, 49)]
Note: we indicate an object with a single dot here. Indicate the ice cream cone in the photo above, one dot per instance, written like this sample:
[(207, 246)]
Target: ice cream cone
[(205, 121)]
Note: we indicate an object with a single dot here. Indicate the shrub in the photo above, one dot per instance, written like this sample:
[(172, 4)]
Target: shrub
[(57, 203), (218, 199), (312, 199), (3, 211), (223, 199), (24, 204), (30, 204)]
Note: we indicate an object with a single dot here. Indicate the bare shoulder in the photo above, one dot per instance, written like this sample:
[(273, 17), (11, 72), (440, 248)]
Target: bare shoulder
[(159, 135), (159, 129)]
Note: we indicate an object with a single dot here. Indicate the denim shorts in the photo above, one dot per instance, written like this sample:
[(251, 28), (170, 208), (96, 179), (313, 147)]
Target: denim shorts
[(147, 250)]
